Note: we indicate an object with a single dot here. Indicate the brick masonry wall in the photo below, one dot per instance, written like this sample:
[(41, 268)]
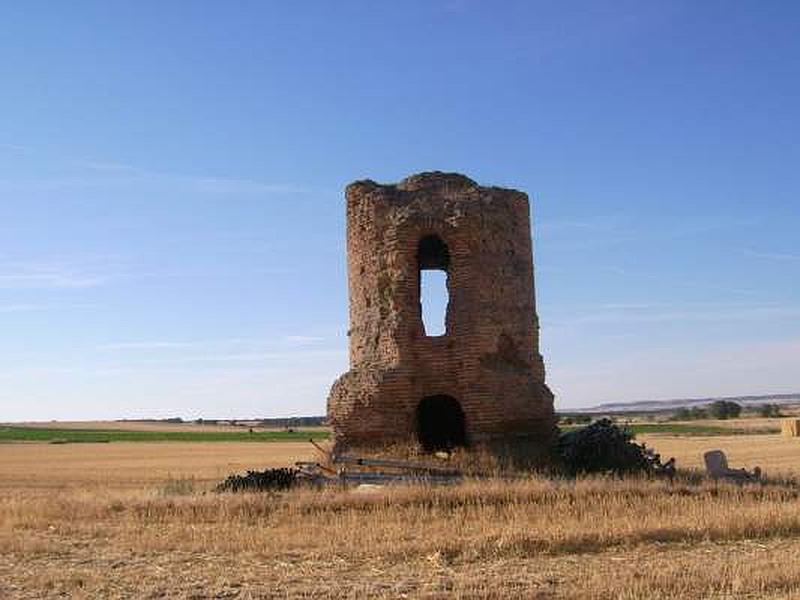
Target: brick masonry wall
[(489, 358)]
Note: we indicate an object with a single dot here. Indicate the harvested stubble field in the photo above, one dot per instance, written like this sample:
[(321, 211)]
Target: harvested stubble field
[(773, 453), (151, 532), (28, 466)]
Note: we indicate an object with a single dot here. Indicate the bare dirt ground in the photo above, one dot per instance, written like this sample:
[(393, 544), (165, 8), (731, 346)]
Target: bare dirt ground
[(138, 521)]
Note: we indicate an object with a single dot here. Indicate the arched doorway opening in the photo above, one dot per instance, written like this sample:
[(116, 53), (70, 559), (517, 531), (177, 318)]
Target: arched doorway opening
[(440, 423)]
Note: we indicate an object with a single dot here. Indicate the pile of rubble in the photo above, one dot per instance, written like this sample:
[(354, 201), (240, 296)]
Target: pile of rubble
[(601, 447), (342, 470)]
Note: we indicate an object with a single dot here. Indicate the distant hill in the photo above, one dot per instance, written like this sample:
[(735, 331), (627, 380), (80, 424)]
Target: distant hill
[(670, 405)]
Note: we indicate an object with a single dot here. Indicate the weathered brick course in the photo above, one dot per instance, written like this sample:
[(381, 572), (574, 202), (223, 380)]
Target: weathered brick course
[(488, 360)]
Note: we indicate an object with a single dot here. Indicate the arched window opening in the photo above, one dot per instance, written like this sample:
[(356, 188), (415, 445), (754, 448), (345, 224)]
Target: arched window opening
[(433, 258), (440, 423), (433, 253)]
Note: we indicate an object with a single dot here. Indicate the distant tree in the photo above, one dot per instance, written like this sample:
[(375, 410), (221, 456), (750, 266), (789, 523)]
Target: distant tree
[(725, 409), (575, 419), (689, 414), (769, 411), (682, 414)]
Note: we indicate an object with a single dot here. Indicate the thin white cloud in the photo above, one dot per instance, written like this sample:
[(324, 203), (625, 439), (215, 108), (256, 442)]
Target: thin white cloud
[(145, 345), (298, 356), (223, 349), (92, 174), (619, 314), (601, 223), (50, 279), (16, 308), (14, 147), (594, 232), (684, 283), (40, 371), (584, 234), (218, 185), (76, 272), (775, 256), (633, 305), (698, 226), (34, 307), (303, 340), (168, 344), (109, 167)]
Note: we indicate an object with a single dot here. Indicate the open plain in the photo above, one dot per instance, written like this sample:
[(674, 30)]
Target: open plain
[(131, 465), (133, 520)]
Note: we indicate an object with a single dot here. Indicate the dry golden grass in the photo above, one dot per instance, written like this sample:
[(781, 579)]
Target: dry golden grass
[(120, 464), (593, 538), (774, 453), (155, 534)]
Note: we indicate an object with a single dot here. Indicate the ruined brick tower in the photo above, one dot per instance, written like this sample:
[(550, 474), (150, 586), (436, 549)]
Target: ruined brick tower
[(483, 380)]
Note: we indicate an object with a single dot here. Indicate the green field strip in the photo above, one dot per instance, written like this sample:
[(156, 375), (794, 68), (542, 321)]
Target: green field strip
[(42, 434)]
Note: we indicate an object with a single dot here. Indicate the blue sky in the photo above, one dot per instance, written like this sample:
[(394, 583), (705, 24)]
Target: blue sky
[(171, 175)]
